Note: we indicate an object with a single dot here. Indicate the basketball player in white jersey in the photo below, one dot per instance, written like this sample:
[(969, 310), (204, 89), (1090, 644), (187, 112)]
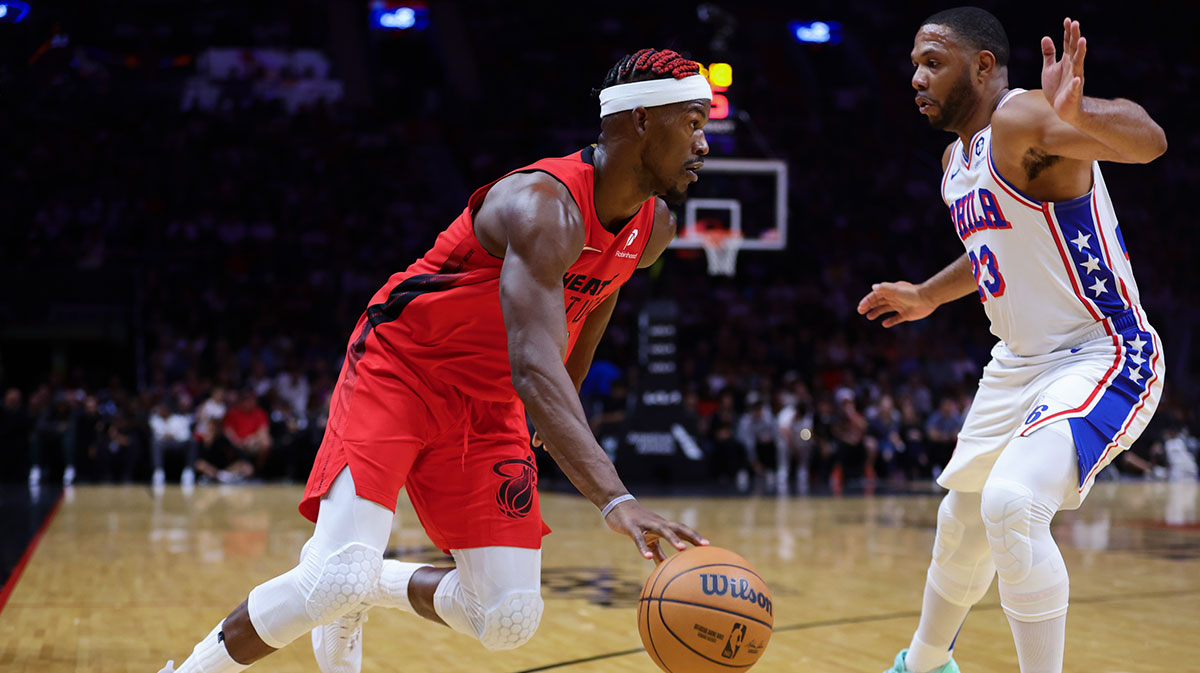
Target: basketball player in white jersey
[(1078, 370)]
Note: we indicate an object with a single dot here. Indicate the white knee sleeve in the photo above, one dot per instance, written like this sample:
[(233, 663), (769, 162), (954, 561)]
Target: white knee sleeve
[(494, 595), (339, 567), (317, 591), (1033, 578), (346, 578), (961, 570)]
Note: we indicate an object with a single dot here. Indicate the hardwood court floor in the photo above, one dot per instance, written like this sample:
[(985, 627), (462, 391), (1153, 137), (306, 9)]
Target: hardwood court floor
[(121, 581)]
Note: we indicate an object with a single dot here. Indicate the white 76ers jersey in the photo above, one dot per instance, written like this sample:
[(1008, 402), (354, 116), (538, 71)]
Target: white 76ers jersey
[(1047, 272)]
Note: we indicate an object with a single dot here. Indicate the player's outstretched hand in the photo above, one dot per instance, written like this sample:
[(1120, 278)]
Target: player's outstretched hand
[(902, 299), (1062, 80), (645, 528)]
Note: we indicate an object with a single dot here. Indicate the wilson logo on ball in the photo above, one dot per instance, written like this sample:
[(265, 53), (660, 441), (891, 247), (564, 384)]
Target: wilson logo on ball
[(720, 585)]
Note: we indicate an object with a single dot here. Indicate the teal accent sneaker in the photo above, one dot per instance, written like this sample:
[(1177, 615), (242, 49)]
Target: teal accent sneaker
[(899, 667)]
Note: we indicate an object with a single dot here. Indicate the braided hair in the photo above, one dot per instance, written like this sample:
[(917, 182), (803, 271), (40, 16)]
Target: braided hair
[(648, 64)]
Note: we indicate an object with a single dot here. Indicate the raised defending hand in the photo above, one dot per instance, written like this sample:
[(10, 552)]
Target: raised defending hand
[(903, 299), (1062, 80), (645, 528)]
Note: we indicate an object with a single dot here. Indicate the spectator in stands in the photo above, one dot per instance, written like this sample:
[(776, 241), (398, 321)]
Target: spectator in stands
[(914, 462), (53, 428), (14, 434), (91, 429), (292, 385), (171, 430), (758, 432), (854, 458), (120, 452), (884, 428), (210, 416), (941, 434), (728, 455), (288, 438), (795, 421), (248, 431)]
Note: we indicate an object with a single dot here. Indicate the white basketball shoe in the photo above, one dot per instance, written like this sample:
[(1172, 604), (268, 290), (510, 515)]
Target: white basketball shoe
[(338, 645)]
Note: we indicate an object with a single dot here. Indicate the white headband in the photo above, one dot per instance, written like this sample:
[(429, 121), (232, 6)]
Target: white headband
[(653, 92)]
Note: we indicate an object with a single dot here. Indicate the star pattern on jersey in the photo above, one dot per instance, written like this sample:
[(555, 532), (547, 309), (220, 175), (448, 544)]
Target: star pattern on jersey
[(1082, 241), (1139, 348), (1096, 283)]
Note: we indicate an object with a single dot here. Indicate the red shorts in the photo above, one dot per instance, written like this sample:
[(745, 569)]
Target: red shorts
[(467, 463)]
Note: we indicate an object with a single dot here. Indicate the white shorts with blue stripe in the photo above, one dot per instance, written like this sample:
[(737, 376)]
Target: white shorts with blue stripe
[(1106, 387)]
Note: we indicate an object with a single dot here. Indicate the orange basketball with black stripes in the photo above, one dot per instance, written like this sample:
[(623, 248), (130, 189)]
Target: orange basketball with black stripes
[(705, 610)]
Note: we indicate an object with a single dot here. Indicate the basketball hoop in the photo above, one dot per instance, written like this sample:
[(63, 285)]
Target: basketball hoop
[(721, 247)]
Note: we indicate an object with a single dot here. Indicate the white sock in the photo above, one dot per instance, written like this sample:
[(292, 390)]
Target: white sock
[(933, 642), (392, 591), (210, 656), (1040, 644)]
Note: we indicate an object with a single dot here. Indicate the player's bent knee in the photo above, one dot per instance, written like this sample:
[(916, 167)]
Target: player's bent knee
[(512, 621), (1007, 507), (949, 533), (961, 569), (343, 580)]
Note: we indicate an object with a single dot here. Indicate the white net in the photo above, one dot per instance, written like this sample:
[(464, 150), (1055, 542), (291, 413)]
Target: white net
[(721, 247)]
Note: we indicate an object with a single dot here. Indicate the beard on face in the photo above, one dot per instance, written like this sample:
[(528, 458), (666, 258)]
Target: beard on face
[(958, 104), (675, 196)]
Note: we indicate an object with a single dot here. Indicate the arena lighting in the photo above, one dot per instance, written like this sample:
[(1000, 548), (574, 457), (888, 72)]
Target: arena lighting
[(720, 75), (403, 17), (13, 10), (816, 32), (396, 16)]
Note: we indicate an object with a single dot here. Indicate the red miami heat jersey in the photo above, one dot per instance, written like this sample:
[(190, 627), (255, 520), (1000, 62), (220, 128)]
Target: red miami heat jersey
[(441, 317)]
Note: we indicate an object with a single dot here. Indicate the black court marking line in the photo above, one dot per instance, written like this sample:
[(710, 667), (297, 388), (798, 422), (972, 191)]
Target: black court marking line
[(660, 601), (985, 607), (598, 657)]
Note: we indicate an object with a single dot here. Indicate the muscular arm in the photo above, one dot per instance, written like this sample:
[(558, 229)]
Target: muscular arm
[(1045, 141), (1120, 126), (545, 235), (1063, 122), (533, 221), (1104, 130)]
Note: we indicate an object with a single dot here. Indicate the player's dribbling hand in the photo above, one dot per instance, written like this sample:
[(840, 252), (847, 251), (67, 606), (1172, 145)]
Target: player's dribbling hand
[(902, 299), (1062, 80), (645, 528)]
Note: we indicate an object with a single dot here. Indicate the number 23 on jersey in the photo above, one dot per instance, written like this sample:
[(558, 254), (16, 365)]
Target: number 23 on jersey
[(986, 269)]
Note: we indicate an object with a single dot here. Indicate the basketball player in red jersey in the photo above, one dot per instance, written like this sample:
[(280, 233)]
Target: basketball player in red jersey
[(500, 318)]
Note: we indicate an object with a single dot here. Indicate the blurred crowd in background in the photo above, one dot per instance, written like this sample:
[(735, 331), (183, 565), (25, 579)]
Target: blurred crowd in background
[(183, 256)]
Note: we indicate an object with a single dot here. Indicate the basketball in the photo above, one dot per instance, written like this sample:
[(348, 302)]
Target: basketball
[(705, 609)]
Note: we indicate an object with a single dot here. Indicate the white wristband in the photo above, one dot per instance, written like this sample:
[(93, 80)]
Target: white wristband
[(615, 501)]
